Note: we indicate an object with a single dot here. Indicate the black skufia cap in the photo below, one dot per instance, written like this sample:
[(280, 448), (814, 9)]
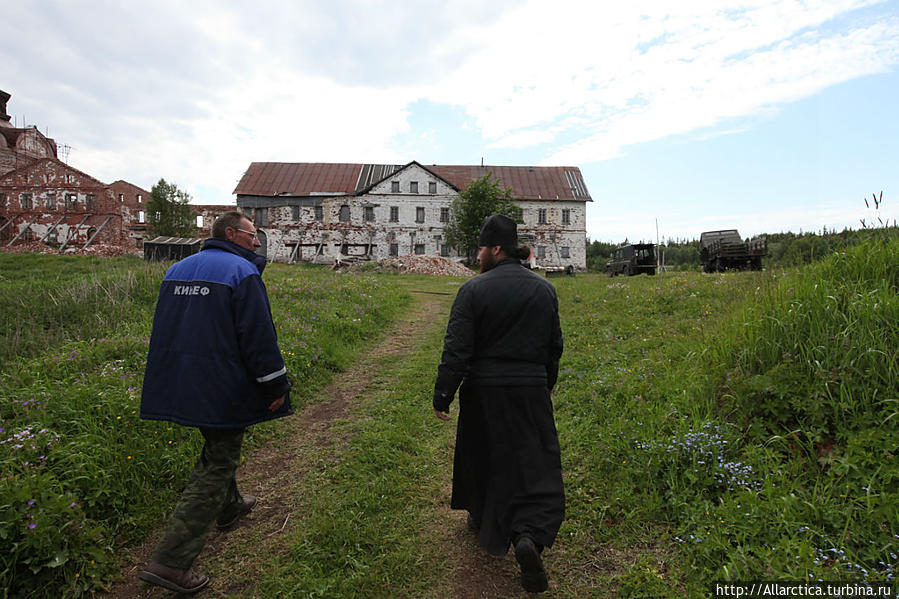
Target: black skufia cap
[(498, 229)]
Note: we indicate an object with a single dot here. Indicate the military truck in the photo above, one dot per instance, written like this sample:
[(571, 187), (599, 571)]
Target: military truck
[(722, 250), (632, 259)]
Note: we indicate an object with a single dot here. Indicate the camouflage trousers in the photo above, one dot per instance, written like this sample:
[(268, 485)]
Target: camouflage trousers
[(211, 494)]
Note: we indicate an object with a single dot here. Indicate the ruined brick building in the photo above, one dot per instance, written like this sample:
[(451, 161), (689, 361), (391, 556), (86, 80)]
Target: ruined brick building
[(318, 211), (44, 199)]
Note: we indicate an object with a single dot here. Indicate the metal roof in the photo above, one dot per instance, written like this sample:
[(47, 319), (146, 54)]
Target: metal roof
[(162, 240), (274, 179)]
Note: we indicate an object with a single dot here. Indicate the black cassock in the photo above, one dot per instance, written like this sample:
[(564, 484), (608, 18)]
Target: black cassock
[(503, 344), (507, 469)]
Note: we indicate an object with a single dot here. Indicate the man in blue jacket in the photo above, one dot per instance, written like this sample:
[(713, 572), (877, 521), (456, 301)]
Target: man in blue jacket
[(503, 344), (214, 364)]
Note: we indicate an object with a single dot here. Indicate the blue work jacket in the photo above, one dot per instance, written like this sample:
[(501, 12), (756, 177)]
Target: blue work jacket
[(214, 360)]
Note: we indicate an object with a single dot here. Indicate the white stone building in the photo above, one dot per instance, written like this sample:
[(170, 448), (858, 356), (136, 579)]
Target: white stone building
[(320, 211)]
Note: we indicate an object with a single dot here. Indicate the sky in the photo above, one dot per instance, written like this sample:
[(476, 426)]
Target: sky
[(760, 115)]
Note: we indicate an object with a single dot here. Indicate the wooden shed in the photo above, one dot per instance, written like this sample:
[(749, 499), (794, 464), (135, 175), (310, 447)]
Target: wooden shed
[(171, 248)]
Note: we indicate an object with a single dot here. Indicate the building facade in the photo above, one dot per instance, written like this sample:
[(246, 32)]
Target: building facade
[(320, 212)]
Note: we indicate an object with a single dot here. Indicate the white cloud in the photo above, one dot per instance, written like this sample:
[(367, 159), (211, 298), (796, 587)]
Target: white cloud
[(195, 92)]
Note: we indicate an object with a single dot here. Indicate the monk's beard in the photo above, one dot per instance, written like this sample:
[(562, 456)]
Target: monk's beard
[(487, 263)]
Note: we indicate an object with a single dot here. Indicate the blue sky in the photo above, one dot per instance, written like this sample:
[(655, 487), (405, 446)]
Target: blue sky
[(763, 115)]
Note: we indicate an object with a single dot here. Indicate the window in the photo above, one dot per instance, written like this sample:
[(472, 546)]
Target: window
[(432, 186), (199, 221), (444, 215), (141, 217), (139, 198), (395, 186), (565, 252), (368, 214), (419, 214), (261, 219), (420, 249), (444, 250), (51, 201), (122, 197), (541, 216), (344, 214), (566, 216), (541, 251), (90, 202), (319, 213), (413, 186), (394, 214), (158, 216), (71, 200), (394, 249), (26, 201), (296, 212)]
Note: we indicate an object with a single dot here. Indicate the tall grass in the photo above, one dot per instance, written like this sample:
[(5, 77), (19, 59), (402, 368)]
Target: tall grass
[(46, 301), (81, 473), (738, 426)]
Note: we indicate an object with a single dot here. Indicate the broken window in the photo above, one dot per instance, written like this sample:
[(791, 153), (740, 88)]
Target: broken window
[(444, 215), (541, 251), (141, 217), (541, 216), (419, 214), (139, 198), (566, 216), (296, 212), (90, 202), (319, 213), (369, 214), (122, 197), (26, 201), (420, 248), (565, 252), (51, 201), (444, 250), (344, 214), (394, 249), (395, 186), (394, 214), (432, 186), (413, 186), (71, 200), (199, 221), (261, 219)]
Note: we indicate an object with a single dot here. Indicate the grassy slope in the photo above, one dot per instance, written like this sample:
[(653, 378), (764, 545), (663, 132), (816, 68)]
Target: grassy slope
[(673, 476)]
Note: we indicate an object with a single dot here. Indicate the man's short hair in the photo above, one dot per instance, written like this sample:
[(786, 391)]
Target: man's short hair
[(230, 219)]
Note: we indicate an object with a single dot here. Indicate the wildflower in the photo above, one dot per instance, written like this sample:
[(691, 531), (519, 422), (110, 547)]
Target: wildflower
[(73, 504), (31, 502), (32, 526)]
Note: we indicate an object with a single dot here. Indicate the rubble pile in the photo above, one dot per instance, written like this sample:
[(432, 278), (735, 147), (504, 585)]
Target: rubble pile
[(37, 247), (425, 265)]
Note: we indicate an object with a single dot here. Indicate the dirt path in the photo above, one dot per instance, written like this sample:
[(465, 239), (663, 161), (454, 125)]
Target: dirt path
[(273, 471)]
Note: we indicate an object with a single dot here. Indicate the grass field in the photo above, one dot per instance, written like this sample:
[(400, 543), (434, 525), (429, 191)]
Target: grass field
[(737, 426)]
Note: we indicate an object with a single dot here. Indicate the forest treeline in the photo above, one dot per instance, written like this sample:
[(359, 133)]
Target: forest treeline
[(784, 249)]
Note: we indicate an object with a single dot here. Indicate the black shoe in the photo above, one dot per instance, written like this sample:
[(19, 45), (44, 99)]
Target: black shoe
[(533, 576), (249, 502), (173, 579)]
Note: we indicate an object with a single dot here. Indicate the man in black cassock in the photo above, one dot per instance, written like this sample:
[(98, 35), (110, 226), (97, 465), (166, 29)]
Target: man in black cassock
[(503, 344)]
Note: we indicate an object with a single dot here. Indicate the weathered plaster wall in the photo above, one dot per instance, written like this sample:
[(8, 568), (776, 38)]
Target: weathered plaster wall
[(293, 233)]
